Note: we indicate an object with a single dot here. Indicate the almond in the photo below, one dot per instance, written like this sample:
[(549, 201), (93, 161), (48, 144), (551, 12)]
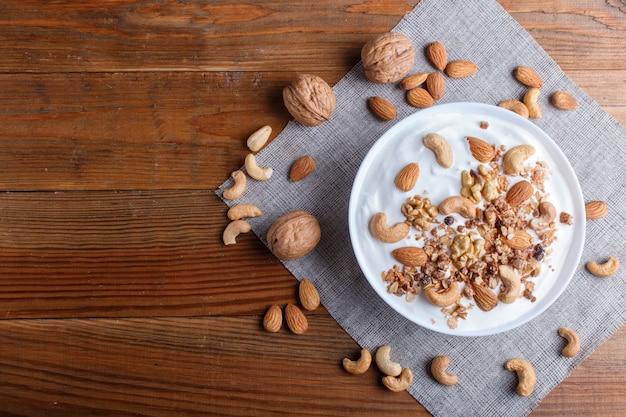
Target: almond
[(460, 69), (515, 106), (407, 177), (410, 256), (519, 239), (528, 76), (420, 98), (563, 101), (437, 55), (382, 108), (481, 150), (518, 193), (413, 81), (309, 297), (296, 321), (485, 298), (596, 210), (301, 168), (435, 85), (273, 319)]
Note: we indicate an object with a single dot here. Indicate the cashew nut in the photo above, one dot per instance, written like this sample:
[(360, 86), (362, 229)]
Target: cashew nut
[(511, 284), (259, 138), (458, 204), (359, 366), (385, 364), (515, 106), (254, 171), (238, 187), (444, 298), (530, 100), (399, 383), (514, 158), (573, 342), (240, 211), (441, 148), (438, 369), (605, 269), (547, 214), (234, 229), (525, 375), (379, 229)]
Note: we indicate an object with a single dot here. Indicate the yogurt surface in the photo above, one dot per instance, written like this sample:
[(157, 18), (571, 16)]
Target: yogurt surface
[(374, 191)]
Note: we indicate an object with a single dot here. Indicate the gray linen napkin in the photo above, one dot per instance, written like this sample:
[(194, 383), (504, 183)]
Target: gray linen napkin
[(480, 31)]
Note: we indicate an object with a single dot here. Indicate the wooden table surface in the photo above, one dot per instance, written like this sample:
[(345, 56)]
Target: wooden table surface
[(118, 120)]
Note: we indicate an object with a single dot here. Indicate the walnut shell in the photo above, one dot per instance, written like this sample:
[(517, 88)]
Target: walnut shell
[(388, 57), (293, 235), (309, 99)]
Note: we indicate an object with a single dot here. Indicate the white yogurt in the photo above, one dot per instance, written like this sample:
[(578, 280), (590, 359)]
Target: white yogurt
[(374, 191)]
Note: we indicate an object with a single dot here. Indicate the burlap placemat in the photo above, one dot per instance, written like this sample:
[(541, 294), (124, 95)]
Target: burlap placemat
[(480, 31)]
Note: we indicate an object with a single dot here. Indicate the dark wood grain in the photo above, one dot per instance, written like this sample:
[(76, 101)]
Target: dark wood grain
[(118, 120)]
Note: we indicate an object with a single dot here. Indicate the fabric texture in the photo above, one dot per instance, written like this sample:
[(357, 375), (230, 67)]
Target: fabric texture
[(483, 32)]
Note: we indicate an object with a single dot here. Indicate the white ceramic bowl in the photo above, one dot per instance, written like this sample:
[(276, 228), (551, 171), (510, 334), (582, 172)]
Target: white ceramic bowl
[(374, 191)]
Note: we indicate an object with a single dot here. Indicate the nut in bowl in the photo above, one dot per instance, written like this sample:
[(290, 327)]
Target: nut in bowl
[(465, 253)]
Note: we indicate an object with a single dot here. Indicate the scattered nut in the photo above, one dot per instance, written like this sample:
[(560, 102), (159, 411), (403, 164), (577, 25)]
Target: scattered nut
[(234, 229), (301, 168), (359, 366), (382, 108), (259, 138), (480, 150), (573, 342), (296, 321), (444, 298), (596, 210), (309, 99), (435, 85), (528, 76), (399, 383), (530, 101), (511, 284), (410, 256), (308, 295), (387, 57), (515, 106), (606, 269), (485, 299), (563, 101), (525, 374), (293, 235), (242, 211), (460, 69), (238, 188), (547, 214), (438, 369), (413, 81), (407, 177), (441, 148), (458, 204), (378, 229), (513, 160), (255, 171), (420, 98), (519, 239), (437, 55), (273, 319), (384, 362)]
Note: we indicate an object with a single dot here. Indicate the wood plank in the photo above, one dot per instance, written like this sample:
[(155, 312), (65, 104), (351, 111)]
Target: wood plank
[(202, 366), (156, 130), (112, 254)]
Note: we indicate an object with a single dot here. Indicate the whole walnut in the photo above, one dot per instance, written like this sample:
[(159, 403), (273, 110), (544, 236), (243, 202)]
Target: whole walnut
[(309, 99), (388, 57), (293, 235)]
